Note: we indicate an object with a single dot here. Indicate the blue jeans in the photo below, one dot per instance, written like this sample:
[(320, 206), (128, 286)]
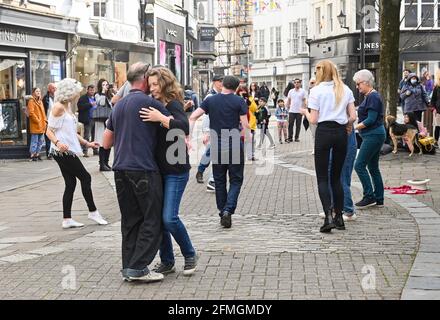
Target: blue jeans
[(206, 159), (174, 186), (37, 141), (346, 173), (368, 157), (227, 200)]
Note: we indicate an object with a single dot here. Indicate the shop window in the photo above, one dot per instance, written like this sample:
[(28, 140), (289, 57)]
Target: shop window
[(93, 64), (99, 8), (46, 68), (12, 93)]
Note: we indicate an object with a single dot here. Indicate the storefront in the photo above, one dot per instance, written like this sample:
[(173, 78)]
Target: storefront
[(420, 52), (109, 55), (31, 55), (170, 47)]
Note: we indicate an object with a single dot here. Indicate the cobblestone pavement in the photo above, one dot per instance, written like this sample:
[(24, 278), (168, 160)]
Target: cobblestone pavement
[(274, 249)]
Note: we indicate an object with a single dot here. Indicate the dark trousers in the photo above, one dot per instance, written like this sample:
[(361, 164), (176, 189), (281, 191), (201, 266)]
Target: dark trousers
[(87, 134), (294, 119), (47, 145), (418, 115), (227, 200), (330, 137), (437, 133), (72, 168), (140, 197)]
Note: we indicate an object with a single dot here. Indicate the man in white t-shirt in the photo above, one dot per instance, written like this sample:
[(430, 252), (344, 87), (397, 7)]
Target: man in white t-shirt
[(296, 100)]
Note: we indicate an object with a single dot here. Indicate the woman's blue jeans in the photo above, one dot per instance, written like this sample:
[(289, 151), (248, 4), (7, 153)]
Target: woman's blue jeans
[(368, 157), (37, 141), (174, 186)]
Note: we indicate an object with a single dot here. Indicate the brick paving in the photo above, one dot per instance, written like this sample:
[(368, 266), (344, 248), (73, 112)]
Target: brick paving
[(273, 251)]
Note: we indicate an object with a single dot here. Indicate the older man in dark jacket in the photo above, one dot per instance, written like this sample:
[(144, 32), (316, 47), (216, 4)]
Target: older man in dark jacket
[(86, 104)]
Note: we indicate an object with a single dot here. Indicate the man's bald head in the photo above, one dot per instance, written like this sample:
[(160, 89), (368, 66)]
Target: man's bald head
[(137, 72), (51, 88)]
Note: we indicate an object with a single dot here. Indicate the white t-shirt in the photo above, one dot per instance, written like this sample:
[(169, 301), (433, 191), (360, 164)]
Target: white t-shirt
[(323, 99), (296, 99)]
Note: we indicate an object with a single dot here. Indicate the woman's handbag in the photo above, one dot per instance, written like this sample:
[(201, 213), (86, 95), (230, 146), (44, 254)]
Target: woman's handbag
[(101, 113)]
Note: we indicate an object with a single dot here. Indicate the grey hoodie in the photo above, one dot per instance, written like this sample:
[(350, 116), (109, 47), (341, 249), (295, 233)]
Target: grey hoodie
[(414, 97)]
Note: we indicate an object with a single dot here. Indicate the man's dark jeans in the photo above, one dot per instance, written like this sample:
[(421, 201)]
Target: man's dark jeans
[(294, 120), (227, 201), (140, 197)]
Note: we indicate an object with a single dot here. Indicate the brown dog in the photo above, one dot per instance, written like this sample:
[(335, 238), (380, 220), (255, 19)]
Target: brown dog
[(406, 131)]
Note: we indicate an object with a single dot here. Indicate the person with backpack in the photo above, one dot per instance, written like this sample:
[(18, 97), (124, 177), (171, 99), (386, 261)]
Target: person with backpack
[(263, 115)]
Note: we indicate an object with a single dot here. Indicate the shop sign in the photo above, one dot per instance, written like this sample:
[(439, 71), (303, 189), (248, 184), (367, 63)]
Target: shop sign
[(172, 32), (207, 33), (13, 36), (369, 46), (110, 30)]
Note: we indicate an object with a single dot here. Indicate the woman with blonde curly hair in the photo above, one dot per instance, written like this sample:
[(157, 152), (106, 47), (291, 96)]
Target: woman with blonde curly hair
[(174, 167), (65, 145)]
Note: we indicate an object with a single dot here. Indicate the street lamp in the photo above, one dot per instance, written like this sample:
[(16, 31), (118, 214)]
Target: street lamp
[(342, 18), (246, 38)]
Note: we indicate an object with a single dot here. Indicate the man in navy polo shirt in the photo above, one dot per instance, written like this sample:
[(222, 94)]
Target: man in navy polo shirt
[(228, 116), (137, 177)]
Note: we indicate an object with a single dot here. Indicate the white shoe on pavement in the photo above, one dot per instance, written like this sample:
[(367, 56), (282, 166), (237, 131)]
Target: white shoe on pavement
[(322, 215), (352, 217), (96, 216), (149, 277), (70, 223)]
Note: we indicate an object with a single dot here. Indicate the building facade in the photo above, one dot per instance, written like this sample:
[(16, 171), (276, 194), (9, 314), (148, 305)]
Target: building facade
[(233, 19), (420, 29), (33, 53), (108, 40), (280, 50), (204, 51)]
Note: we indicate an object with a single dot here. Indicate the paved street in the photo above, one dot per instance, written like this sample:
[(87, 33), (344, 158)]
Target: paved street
[(274, 249)]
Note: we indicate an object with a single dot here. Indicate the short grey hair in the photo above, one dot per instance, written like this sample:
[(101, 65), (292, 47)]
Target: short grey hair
[(137, 72), (67, 90), (364, 76)]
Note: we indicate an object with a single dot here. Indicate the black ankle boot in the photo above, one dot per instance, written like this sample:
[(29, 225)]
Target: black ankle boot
[(339, 221), (102, 154), (328, 222), (107, 157)]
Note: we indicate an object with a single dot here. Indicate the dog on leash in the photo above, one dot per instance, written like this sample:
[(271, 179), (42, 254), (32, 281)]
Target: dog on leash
[(406, 131)]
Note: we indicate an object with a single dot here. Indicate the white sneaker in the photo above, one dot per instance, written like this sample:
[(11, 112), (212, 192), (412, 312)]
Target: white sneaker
[(352, 217), (322, 215), (149, 277), (312, 153), (70, 223), (95, 216), (272, 147)]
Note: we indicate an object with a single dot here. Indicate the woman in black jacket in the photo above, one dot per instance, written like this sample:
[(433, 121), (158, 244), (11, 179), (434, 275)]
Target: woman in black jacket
[(174, 166)]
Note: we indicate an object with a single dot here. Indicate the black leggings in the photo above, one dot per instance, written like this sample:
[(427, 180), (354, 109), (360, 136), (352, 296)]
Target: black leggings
[(72, 168), (330, 136), (437, 133)]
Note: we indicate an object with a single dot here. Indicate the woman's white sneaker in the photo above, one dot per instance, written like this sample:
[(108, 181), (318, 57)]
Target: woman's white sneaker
[(351, 217), (96, 216), (70, 223)]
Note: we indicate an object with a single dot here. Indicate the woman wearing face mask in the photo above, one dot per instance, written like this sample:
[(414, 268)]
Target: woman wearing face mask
[(414, 97)]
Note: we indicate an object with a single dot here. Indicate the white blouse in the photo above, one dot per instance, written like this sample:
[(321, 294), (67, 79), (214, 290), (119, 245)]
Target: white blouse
[(65, 129)]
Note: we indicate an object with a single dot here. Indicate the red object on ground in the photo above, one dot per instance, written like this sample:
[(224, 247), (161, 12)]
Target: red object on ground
[(405, 190)]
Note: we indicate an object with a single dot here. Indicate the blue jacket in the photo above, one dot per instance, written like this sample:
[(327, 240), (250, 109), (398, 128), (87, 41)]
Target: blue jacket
[(414, 97)]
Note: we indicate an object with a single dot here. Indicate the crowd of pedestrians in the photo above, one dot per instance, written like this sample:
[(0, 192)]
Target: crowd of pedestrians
[(147, 125)]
